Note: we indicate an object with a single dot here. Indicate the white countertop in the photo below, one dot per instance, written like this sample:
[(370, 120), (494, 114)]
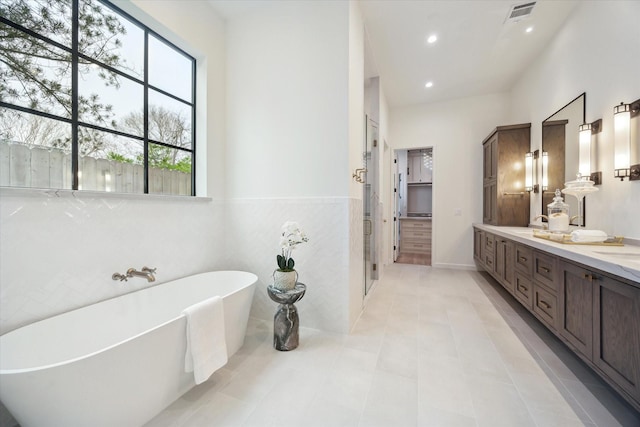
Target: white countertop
[(622, 261)]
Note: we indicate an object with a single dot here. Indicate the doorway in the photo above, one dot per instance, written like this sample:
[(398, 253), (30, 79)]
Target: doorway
[(414, 206)]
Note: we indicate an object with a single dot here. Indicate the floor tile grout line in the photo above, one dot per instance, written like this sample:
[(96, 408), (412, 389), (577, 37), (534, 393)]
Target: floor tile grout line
[(366, 400), (522, 336)]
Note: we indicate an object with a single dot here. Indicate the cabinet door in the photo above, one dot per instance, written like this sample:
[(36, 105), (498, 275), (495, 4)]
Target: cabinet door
[(490, 203), (576, 307), (509, 266), (478, 241), (504, 263), (617, 332), (490, 155), (426, 169), (415, 169)]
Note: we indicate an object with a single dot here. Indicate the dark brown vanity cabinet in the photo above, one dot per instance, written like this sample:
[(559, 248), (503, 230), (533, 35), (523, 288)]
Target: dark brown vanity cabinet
[(595, 313), (576, 307), (600, 318), (545, 287), (505, 267), (523, 271), (489, 252), (495, 254), (616, 338), (478, 241), (505, 202)]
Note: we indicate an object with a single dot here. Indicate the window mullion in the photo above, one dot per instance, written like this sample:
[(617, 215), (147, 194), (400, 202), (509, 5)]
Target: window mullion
[(75, 139), (146, 111), (193, 128)]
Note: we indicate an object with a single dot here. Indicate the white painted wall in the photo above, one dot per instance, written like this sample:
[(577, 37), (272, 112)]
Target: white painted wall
[(598, 52), (294, 102), (355, 72), (455, 129), (287, 101)]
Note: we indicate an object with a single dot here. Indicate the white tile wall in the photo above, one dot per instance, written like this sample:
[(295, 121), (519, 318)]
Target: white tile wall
[(59, 250), (252, 230)]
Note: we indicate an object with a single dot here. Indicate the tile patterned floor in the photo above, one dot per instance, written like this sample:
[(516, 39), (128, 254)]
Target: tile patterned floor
[(433, 348)]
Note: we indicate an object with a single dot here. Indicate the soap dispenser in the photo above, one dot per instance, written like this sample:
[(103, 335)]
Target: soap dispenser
[(558, 214)]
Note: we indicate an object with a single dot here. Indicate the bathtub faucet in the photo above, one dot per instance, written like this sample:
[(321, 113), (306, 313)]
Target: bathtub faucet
[(144, 272)]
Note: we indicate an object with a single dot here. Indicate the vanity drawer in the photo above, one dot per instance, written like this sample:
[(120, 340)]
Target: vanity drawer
[(489, 262), (420, 233), (545, 306), (545, 270), (489, 244), (415, 225), (415, 247), (524, 290), (524, 259)]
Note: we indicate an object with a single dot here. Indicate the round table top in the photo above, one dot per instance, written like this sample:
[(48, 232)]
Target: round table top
[(287, 297)]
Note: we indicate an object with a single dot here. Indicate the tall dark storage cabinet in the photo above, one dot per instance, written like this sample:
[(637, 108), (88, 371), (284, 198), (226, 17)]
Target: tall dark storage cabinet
[(505, 201)]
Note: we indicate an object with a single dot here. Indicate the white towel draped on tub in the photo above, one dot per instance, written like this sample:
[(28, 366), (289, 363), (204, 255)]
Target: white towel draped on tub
[(206, 344)]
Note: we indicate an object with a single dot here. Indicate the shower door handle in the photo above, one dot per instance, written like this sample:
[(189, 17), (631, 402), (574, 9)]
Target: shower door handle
[(368, 226)]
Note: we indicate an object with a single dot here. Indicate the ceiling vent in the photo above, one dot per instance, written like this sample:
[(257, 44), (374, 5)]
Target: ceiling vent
[(520, 11)]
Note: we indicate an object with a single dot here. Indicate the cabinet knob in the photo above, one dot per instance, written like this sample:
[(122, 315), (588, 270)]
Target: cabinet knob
[(545, 304), (545, 269), (590, 277), (523, 259)]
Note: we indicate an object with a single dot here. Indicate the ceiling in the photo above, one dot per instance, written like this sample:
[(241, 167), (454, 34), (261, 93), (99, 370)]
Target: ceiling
[(477, 52)]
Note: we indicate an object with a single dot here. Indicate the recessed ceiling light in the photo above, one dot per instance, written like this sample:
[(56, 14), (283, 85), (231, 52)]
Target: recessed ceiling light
[(428, 84), (529, 29), (432, 39)]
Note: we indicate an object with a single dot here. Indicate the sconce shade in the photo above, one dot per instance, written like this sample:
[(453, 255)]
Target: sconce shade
[(584, 167), (622, 141), (528, 168), (545, 171)]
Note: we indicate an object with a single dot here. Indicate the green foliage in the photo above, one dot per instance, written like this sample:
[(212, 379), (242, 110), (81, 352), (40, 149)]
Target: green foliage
[(118, 157), (284, 264), (165, 158)]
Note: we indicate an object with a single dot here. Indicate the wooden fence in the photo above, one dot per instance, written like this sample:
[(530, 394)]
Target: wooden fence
[(44, 167)]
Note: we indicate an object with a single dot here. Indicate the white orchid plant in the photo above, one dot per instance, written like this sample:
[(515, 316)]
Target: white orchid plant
[(292, 236)]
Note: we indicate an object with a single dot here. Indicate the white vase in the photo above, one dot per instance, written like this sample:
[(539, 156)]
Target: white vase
[(285, 280)]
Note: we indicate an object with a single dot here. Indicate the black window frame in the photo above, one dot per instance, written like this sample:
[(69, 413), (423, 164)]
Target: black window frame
[(74, 120)]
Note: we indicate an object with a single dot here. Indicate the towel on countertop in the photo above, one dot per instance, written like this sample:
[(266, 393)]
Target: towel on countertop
[(206, 343), (588, 236)]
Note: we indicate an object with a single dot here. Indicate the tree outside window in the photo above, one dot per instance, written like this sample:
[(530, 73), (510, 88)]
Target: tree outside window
[(90, 104)]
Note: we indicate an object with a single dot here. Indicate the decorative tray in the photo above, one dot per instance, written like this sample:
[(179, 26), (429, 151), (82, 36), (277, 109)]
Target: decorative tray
[(566, 239)]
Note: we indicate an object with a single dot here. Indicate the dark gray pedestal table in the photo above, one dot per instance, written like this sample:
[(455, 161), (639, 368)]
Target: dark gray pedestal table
[(286, 322)]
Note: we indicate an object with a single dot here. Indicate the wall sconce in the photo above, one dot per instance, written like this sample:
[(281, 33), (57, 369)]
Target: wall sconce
[(530, 180), (586, 132), (545, 171), (622, 141)]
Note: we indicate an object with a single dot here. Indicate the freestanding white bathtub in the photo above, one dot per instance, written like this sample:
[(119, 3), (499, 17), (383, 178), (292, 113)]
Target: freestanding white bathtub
[(118, 362)]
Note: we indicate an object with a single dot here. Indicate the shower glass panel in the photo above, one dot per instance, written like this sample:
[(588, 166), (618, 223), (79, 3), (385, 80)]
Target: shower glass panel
[(369, 198)]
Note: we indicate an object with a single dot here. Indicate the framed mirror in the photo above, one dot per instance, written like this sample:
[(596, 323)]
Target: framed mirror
[(560, 141)]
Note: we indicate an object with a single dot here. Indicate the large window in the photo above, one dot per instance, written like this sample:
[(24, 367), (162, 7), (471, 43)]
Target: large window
[(91, 99)]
